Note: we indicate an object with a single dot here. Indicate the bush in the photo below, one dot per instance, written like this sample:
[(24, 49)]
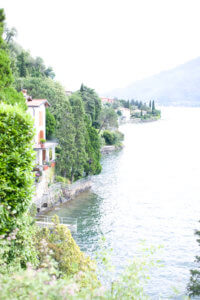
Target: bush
[(64, 250), (16, 164), (109, 137), (113, 138)]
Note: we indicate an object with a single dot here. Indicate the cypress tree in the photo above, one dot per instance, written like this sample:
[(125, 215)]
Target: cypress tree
[(80, 157), (153, 106), (92, 165), (65, 134), (150, 103)]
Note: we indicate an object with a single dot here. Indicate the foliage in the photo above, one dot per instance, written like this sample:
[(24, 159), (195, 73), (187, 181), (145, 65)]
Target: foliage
[(10, 96), (50, 124), (16, 163), (45, 282), (7, 93), (80, 156), (17, 248), (23, 64), (108, 118), (65, 133), (64, 250), (194, 284), (44, 88), (113, 137), (5, 71), (92, 104), (93, 145)]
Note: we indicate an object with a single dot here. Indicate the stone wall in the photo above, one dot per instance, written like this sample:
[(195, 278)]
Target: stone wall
[(49, 194)]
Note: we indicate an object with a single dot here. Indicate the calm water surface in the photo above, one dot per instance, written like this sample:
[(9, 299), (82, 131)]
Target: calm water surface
[(148, 191)]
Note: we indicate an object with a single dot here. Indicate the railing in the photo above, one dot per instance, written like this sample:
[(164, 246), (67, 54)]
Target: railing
[(47, 221)]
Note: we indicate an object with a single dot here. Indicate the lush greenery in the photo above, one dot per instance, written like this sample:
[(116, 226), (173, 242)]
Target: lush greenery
[(113, 137), (194, 284), (143, 111), (7, 92), (16, 163), (71, 121)]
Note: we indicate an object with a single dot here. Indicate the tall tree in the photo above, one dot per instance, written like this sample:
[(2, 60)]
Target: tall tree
[(92, 165), (92, 104), (80, 133), (65, 134), (150, 103), (153, 106), (108, 118)]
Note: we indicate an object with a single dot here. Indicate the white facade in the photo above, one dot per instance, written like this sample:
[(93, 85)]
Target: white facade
[(39, 115), (45, 152)]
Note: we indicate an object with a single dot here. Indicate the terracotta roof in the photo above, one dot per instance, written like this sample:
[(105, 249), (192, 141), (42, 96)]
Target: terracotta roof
[(38, 102)]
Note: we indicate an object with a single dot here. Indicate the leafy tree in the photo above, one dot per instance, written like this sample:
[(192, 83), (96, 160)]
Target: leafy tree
[(108, 118), (80, 133), (10, 96), (7, 93), (10, 33)]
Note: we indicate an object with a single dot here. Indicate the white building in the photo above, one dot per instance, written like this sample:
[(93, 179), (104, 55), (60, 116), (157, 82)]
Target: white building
[(45, 152)]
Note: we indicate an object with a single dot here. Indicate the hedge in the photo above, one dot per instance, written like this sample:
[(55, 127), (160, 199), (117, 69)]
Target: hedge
[(16, 163)]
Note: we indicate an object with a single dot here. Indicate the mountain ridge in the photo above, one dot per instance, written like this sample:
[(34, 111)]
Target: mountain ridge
[(177, 86)]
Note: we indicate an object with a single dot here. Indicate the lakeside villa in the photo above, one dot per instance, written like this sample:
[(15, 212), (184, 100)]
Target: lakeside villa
[(45, 151)]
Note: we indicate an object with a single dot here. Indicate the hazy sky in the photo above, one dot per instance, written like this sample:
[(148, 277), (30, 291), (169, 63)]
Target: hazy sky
[(107, 44)]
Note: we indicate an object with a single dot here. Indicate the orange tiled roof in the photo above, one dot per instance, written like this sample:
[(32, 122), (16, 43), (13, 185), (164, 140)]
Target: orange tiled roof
[(37, 102)]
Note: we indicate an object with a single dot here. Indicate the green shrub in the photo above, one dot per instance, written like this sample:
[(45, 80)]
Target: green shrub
[(113, 138), (109, 137), (16, 163), (64, 250)]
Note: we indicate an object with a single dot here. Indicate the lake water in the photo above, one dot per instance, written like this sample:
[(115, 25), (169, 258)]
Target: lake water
[(148, 191)]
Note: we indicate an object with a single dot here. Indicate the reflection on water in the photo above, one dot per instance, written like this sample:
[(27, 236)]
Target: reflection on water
[(150, 190)]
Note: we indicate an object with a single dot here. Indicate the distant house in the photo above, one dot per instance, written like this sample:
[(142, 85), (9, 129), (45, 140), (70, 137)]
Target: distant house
[(107, 100), (45, 152)]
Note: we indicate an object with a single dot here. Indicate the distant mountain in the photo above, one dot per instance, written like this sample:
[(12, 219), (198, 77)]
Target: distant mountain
[(179, 86)]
